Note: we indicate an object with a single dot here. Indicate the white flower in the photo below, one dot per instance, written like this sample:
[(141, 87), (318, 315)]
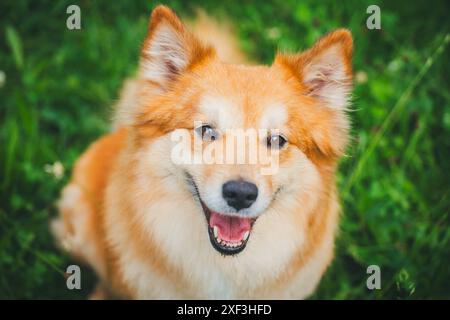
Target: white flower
[(56, 169), (361, 77)]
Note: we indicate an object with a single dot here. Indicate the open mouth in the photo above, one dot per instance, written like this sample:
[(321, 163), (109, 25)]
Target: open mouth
[(228, 234)]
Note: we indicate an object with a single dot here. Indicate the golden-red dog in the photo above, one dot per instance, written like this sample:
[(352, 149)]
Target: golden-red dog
[(155, 228)]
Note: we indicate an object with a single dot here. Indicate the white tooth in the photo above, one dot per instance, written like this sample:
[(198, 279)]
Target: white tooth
[(246, 235), (216, 231)]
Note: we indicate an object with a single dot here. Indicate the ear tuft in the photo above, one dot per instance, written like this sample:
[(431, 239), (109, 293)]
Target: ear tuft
[(325, 70), (169, 48)]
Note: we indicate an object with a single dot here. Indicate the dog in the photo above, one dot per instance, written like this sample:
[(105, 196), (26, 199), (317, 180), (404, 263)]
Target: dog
[(155, 228)]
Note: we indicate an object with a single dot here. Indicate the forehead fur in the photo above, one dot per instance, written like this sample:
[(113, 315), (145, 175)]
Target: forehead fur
[(228, 113), (243, 96)]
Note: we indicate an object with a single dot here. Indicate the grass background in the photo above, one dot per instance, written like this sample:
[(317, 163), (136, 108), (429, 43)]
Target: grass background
[(57, 86)]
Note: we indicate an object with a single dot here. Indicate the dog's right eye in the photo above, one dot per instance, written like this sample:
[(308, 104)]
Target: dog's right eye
[(276, 141), (207, 132)]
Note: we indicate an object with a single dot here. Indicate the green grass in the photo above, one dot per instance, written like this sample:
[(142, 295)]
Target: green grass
[(395, 183)]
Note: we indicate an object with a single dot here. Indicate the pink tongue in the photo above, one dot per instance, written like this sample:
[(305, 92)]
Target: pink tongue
[(230, 228)]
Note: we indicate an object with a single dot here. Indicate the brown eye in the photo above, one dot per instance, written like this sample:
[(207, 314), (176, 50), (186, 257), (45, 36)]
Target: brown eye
[(276, 141), (207, 132)]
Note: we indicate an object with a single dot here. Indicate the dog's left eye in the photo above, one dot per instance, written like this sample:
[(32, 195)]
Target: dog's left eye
[(207, 132), (276, 141)]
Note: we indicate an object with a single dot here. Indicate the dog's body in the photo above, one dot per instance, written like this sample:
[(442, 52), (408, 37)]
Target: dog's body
[(138, 218)]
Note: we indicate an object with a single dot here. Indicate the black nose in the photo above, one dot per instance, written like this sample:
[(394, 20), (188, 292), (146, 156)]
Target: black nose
[(239, 194)]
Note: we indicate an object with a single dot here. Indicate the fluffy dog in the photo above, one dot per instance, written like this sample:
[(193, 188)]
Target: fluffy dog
[(152, 227)]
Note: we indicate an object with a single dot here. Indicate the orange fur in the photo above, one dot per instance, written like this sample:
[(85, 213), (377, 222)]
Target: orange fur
[(141, 228)]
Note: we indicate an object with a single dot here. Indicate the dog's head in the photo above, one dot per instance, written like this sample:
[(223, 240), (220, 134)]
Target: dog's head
[(196, 111)]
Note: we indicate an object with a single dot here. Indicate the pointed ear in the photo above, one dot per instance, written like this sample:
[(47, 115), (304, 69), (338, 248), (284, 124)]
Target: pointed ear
[(169, 49), (325, 70)]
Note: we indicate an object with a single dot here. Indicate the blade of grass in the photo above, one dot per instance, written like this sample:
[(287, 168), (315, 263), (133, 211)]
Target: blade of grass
[(49, 263), (10, 153), (15, 44)]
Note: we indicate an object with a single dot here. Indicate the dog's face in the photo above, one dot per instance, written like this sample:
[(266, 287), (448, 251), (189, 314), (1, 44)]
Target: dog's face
[(288, 119)]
